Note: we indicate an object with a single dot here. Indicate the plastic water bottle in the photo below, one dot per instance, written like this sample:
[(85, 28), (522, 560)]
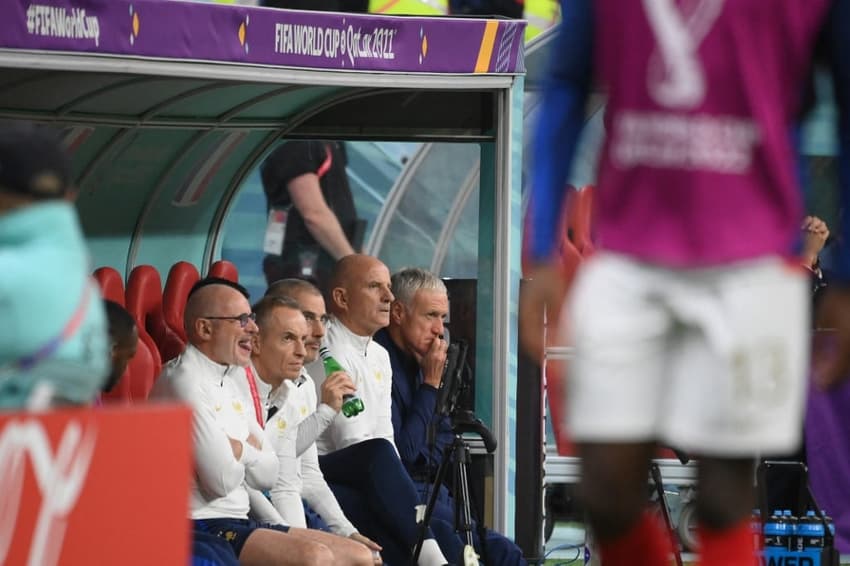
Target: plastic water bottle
[(810, 531), (351, 404), (776, 531), (830, 527), (792, 529)]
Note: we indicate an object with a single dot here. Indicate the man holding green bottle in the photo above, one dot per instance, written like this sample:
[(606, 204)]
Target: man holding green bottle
[(278, 354), (357, 454)]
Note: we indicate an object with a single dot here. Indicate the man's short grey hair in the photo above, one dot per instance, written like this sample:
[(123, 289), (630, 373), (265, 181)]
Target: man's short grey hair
[(288, 287), (408, 281), (264, 308)]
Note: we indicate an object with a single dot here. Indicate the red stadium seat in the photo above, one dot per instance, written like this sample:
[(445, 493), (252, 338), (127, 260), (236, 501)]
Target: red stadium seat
[(143, 369), (225, 270), (144, 302), (111, 284), (181, 278)]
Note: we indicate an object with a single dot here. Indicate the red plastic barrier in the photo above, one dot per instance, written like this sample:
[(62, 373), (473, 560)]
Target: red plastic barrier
[(96, 486)]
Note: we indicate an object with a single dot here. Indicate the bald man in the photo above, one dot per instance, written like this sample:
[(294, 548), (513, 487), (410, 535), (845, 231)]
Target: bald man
[(360, 299), (230, 453), (351, 447)]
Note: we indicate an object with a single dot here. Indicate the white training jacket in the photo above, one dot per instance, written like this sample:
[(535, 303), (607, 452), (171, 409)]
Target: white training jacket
[(295, 427), (368, 365), (219, 411)]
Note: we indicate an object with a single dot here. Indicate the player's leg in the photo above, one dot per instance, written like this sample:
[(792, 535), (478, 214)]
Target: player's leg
[(738, 390), (615, 388)]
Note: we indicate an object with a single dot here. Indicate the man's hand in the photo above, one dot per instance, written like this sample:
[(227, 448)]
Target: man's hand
[(832, 355), (370, 544), (544, 291), (433, 362), (815, 234), (255, 442), (236, 447), (334, 387)]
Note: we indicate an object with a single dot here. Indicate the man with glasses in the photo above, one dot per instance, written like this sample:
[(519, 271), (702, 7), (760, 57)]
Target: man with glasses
[(229, 450)]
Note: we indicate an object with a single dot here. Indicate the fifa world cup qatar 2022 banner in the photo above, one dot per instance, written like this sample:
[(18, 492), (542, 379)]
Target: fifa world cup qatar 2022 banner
[(95, 486), (264, 36)]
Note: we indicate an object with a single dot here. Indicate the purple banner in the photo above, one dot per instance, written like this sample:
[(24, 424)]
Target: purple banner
[(828, 447), (237, 34)]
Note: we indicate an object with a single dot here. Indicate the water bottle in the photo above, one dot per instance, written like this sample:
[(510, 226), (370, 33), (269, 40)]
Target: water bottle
[(829, 526), (792, 529), (810, 532), (351, 404), (776, 531)]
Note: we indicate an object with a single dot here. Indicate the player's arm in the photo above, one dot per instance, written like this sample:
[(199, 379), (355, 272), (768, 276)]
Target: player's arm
[(320, 220), (560, 122)]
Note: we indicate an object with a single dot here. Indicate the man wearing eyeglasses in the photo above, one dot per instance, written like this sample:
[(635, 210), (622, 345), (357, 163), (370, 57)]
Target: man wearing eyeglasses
[(230, 454)]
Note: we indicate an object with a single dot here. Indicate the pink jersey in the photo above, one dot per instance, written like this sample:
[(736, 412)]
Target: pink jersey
[(698, 166)]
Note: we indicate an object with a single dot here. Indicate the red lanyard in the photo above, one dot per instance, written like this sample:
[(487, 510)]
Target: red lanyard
[(326, 164), (255, 397)]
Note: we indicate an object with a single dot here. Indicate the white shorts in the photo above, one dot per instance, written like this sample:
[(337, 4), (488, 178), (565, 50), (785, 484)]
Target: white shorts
[(711, 361)]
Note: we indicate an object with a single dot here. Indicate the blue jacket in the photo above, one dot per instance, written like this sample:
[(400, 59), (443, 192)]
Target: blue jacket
[(413, 406)]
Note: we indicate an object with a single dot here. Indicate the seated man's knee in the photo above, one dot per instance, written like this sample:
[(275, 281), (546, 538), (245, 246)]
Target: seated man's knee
[(317, 554), (360, 554), (377, 450)]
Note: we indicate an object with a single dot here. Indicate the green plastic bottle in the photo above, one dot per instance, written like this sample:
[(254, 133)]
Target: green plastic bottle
[(351, 404)]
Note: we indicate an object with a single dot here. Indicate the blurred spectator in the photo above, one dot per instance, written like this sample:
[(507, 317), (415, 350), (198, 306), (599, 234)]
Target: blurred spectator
[(123, 338), (312, 219), (53, 346)]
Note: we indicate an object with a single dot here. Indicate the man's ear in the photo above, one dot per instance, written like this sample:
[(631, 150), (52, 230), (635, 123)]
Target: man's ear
[(340, 298), (396, 312), (255, 344), (203, 328)]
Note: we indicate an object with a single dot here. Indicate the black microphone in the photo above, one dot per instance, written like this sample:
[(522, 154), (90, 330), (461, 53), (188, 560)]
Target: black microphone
[(447, 383)]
